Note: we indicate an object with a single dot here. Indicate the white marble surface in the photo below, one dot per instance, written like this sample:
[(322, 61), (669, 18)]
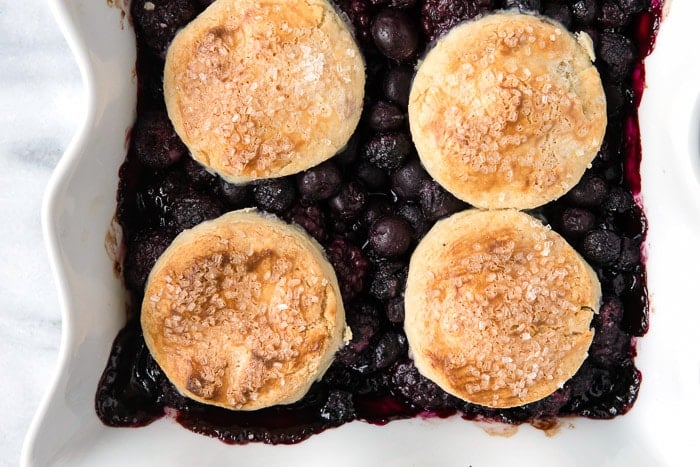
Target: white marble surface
[(41, 100)]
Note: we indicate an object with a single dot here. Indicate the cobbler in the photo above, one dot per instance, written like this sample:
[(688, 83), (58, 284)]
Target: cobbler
[(369, 206)]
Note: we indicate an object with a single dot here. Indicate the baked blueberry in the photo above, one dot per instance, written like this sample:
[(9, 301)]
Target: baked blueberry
[(384, 116), (348, 203), (612, 15), (387, 150), (407, 180), (602, 246), (339, 407), (320, 182), (274, 195), (372, 176), (413, 214), (397, 84), (389, 280), (395, 310), (617, 55), (576, 222), (589, 192), (395, 34), (418, 390), (584, 11), (524, 5), (390, 236), (390, 347), (155, 142), (157, 21), (234, 195), (377, 207), (436, 202)]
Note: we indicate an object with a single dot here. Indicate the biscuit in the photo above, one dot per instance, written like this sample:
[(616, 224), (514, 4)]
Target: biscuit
[(243, 312), (498, 308), (508, 111), (264, 88)]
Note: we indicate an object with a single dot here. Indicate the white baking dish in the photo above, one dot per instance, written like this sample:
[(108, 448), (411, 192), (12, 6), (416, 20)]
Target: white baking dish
[(80, 203)]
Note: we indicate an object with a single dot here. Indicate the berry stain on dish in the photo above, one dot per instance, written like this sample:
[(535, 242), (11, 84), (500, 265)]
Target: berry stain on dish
[(369, 206)]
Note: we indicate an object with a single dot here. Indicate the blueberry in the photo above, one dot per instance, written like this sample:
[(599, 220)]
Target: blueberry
[(311, 218), (610, 343), (604, 392), (155, 143), (377, 207), (617, 98), (384, 116), (634, 6), (389, 280), (589, 192), (390, 236), (233, 194), (157, 21), (387, 150), (394, 3), (395, 34), (358, 11), (350, 264), (127, 393), (439, 16), (612, 15), (397, 85), (418, 390), (576, 222), (198, 175), (339, 407), (372, 176), (558, 12), (320, 182), (142, 251), (630, 255), (194, 208), (348, 154), (618, 200), (390, 347), (274, 195), (407, 180), (617, 55), (436, 202), (584, 11), (524, 5), (348, 203), (413, 214), (602, 246), (396, 310)]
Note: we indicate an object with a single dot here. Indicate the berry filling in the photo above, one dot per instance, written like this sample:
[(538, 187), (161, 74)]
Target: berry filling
[(369, 206)]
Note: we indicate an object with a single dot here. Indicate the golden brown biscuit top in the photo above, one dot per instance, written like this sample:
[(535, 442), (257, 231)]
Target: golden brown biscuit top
[(499, 310), (507, 111), (242, 313), (264, 88)]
